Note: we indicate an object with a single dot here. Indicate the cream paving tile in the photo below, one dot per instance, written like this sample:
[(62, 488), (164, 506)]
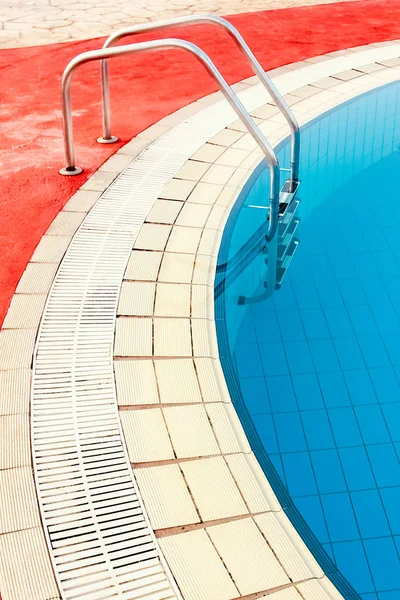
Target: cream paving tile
[(172, 300), (37, 278), (208, 153), (291, 551), (207, 242), (136, 298), (172, 337), (25, 567), (146, 435), (116, 163), (217, 217), (321, 589), (15, 447), (18, 500), (190, 431), (229, 194), (204, 338), (289, 593), (152, 237), (369, 68), (176, 268), (227, 428), (202, 302), (391, 62), (347, 75), (204, 268), (25, 311), (252, 482), (192, 170), (184, 239), (51, 248), (16, 348), (238, 125), (177, 381), (136, 382), (254, 568), (164, 211), (212, 389), (143, 265), (226, 137), (247, 142), (166, 496), (206, 193), (66, 223), (266, 111), (213, 489), (197, 568), (218, 174), (99, 181), (133, 337), (178, 189), (15, 391), (239, 177), (193, 215), (82, 201), (232, 157), (304, 92)]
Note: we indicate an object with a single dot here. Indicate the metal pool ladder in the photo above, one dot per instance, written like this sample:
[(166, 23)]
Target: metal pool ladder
[(279, 199)]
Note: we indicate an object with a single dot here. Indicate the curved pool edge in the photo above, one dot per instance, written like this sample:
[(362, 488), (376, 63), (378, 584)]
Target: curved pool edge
[(19, 327)]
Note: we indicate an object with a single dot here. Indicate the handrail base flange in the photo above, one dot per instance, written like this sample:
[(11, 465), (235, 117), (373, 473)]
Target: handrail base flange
[(110, 140), (71, 171)]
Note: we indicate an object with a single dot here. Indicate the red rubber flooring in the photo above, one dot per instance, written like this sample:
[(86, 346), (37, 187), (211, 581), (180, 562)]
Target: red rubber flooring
[(143, 89)]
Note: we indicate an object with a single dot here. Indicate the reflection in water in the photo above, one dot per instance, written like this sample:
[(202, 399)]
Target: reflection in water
[(314, 368)]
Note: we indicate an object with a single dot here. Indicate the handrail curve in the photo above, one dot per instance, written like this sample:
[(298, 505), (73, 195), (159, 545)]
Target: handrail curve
[(248, 54), (252, 128)]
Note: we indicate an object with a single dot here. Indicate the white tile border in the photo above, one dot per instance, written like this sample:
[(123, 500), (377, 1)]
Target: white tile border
[(155, 167)]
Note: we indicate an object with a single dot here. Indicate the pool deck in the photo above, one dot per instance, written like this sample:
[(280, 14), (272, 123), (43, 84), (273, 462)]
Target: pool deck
[(49, 21), (109, 368)]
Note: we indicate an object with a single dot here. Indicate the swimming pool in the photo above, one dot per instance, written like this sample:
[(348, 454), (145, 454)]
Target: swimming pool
[(314, 367)]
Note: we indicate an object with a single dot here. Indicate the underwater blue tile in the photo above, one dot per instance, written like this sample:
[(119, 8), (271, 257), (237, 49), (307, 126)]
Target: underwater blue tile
[(372, 424), (344, 426), (255, 395), (311, 511), (281, 394), (391, 413), (386, 263), (384, 563), (307, 390), (299, 474), (391, 502), (329, 550), (386, 384), (392, 595), (334, 390), (246, 334), (393, 287), (373, 351), (349, 353), (306, 295), (328, 471), (284, 298), (290, 325), (386, 319), (267, 329), (317, 430), (360, 387), (289, 432), (273, 359), (369, 597), (356, 468), (364, 265), (299, 357), (370, 515), (276, 460), (343, 267), (324, 355), (340, 517), (314, 324), (299, 271), (329, 293), (266, 430), (385, 464), (374, 290), (320, 266), (338, 322), (392, 344), (248, 363), (362, 320), (352, 562)]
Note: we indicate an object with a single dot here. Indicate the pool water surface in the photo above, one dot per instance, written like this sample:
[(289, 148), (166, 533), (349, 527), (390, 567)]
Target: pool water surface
[(314, 367)]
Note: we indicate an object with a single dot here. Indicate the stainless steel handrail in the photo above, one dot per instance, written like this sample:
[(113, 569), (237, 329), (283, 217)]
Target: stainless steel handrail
[(255, 65), (71, 169)]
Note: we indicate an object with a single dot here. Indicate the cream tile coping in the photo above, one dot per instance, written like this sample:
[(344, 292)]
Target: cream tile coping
[(201, 485)]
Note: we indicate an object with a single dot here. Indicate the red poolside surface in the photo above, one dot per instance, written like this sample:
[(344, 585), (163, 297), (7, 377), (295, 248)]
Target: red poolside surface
[(143, 89)]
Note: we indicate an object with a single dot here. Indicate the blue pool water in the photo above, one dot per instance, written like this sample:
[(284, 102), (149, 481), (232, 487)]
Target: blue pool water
[(314, 367)]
